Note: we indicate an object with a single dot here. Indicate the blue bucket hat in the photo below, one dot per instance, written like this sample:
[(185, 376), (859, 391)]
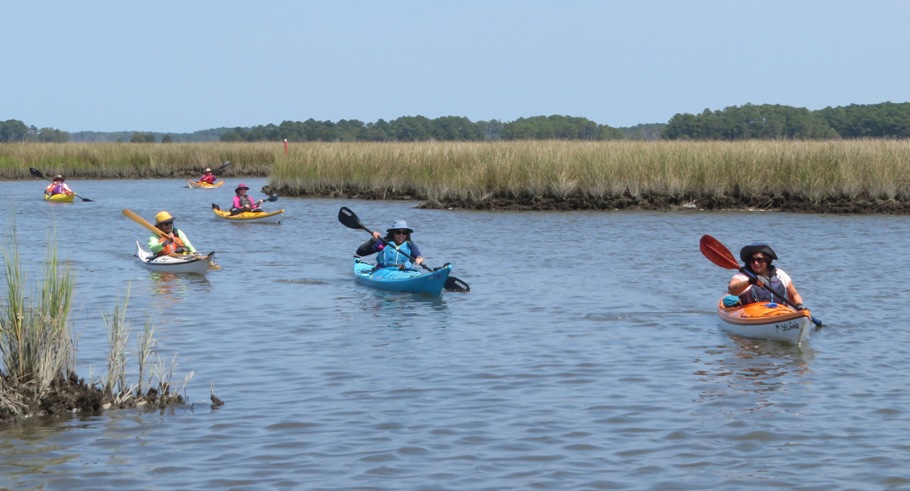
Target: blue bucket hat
[(400, 225)]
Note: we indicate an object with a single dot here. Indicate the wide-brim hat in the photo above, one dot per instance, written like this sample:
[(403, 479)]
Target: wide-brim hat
[(59, 177), (241, 186), (163, 217), (400, 225), (746, 253), (208, 169)]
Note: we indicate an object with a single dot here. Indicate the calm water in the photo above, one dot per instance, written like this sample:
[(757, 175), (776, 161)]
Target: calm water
[(587, 355)]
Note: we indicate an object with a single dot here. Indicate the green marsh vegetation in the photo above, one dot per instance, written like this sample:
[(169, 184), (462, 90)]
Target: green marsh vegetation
[(38, 351), (837, 175)]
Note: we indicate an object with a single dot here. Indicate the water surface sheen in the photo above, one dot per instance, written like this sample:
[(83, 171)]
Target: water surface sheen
[(587, 355)]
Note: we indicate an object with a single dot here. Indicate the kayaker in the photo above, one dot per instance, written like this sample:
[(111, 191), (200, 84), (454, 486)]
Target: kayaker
[(772, 282), (176, 241), (207, 176), (398, 236), (59, 186), (244, 202)]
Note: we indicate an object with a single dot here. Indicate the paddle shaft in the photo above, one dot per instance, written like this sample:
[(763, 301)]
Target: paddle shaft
[(37, 173)]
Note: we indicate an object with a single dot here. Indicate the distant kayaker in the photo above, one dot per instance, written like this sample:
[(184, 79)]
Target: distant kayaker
[(398, 235), (175, 242), (244, 202), (207, 176), (772, 282), (59, 186)]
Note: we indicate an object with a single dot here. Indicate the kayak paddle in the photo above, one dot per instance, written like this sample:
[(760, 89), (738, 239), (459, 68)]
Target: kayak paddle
[(718, 254), (37, 173), (350, 220)]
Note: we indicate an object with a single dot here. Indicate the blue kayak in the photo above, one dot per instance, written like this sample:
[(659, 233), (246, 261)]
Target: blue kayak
[(396, 280)]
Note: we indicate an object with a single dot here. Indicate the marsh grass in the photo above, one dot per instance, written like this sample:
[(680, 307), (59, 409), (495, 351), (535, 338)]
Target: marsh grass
[(472, 172), (35, 341), (874, 169), (153, 385), (38, 352)]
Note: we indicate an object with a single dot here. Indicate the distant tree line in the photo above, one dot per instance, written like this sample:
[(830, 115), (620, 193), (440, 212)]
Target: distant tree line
[(747, 122), (775, 122), (420, 128), (16, 131)]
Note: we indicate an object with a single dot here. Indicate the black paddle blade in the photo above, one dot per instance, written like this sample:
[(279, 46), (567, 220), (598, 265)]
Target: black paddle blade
[(215, 207), (35, 172), (453, 284), (272, 197), (84, 199), (224, 166), (348, 218)]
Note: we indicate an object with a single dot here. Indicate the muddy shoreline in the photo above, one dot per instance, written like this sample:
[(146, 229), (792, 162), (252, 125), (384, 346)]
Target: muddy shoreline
[(769, 202)]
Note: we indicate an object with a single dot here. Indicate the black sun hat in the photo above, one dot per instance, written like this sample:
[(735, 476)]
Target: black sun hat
[(746, 253)]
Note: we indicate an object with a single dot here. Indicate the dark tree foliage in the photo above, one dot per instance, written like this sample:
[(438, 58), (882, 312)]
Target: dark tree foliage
[(420, 128), (142, 137), (885, 120), (14, 130), (750, 122), (558, 128), (747, 122), (52, 135)]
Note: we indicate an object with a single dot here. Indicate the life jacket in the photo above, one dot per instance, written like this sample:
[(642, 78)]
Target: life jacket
[(209, 178), (755, 294), (246, 201), (55, 189), (171, 248), (390, 257)]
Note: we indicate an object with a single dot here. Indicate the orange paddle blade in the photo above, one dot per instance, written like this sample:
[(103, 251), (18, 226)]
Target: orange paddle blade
[(717, 253)]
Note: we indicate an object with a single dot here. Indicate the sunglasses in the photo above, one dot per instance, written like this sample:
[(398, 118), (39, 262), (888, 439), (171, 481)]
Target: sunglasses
[(757, 260), (400, 232)]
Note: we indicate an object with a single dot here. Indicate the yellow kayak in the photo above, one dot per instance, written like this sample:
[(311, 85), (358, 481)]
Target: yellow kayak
[(59, 198), (204, 185), (248, 216)]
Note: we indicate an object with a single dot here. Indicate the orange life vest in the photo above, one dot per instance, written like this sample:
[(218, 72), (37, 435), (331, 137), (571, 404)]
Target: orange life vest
[(171, 247)]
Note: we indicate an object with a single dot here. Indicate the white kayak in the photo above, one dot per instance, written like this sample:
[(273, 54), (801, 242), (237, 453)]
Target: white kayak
[(177, 263)]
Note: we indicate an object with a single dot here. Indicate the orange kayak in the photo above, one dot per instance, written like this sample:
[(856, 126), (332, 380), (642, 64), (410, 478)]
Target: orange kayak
[(766, 320)]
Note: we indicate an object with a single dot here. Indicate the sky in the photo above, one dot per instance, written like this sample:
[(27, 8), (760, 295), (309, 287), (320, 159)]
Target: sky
[(182, 66)]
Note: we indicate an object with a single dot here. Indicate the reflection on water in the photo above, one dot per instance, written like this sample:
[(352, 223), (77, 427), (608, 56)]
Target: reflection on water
[(173, 288), (751, 370)]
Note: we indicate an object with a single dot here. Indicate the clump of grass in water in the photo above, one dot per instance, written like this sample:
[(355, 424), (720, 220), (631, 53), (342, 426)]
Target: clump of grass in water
[(153, 387), (37, 349), (38, 352)]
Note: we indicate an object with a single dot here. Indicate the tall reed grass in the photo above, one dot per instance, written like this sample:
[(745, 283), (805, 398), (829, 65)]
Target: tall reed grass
[(38, 353), (474, 172), (36, 344)]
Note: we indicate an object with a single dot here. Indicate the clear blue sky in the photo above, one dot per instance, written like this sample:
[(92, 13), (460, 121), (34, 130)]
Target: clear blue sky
[(181, 66)]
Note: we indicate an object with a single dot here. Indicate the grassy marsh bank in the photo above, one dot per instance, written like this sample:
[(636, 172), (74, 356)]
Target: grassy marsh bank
[(837, 176), (843, 176)]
